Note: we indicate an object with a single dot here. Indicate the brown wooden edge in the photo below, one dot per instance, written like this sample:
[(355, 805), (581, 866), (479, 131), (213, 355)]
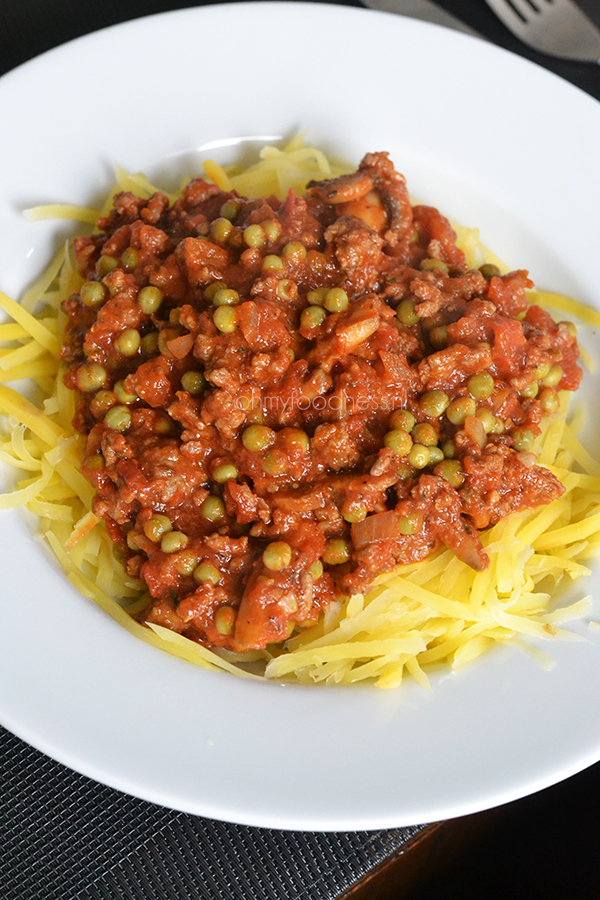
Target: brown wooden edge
[(424, 856)]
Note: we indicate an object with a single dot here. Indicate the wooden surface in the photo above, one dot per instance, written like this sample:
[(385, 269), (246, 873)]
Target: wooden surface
[(544, 846)]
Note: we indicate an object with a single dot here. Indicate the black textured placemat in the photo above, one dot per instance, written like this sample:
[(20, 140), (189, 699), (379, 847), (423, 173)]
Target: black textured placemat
[(65, 837)]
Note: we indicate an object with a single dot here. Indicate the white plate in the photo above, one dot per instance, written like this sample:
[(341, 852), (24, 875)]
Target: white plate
[(491, 139)]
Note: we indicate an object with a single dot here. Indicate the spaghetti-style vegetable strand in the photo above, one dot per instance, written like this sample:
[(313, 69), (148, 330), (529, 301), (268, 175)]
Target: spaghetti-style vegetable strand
[(439, 611)]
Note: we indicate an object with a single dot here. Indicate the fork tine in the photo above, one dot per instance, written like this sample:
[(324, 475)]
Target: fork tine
[(557, 27), (522, 9), (507, 13)]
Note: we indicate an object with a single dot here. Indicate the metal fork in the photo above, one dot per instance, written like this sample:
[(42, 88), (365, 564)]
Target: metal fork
[(556, 27)]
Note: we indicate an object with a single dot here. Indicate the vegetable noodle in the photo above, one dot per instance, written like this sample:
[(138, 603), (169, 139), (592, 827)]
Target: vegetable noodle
[(436, 613)]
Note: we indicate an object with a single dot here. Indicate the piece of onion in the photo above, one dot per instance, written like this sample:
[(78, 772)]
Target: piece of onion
[(380, 527)]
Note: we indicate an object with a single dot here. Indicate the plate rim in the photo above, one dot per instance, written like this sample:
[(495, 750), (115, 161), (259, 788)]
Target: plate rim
[(359, 820)]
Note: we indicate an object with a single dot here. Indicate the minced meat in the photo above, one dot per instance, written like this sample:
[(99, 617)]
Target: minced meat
[(283, 399)]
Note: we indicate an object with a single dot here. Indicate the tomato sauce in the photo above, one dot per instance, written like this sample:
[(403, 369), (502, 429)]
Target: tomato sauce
[(284, 399)]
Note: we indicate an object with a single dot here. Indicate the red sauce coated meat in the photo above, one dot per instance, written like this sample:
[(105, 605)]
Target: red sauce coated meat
[(284, 399)]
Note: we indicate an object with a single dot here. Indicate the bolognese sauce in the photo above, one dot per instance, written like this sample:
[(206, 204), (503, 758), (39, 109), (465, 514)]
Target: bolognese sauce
[(284, 399)]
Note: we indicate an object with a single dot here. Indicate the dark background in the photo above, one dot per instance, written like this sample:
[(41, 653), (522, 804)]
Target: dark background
[(545, 845), (28, 27)]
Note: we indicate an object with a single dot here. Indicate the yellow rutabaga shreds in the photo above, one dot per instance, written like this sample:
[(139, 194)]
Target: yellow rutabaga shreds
[(439, 612)]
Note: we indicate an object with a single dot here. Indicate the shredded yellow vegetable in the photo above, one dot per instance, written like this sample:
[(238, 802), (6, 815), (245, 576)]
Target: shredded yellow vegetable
[(438, 612)]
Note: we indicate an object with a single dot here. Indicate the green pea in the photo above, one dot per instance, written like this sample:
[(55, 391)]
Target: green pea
[(225, 319), (122, 395), (336, 300), (460, 408), (399, 441), (405, 471), (449, 449), (220, 229), (93, 294), (95, 463), (312, 317), (317, 263), (433, 265), (481, 385), (149, 299), (173, 541), (254, 236), (489, 270), (434, 403), (554, 376), (451, 471), (406, 312), (156, 526), (274, 462), (424, 433), (91, 377), (498, 426), (149, 343), (436, 455), (295, 252), (128, 342), (286, 289), (402, 418), (230, 209), (251, 405), (102, 402), (530, 391), (337, 552), (225, 297), (439, 337), (273, 264), (316, 570), (186, 563), (130, 259), (163, 423), (164, 336), (118, 418), (225, 620), (105, 265), (131, 539), (523, 438), (212, 289), (277, 556), (193, 382), (272, 229), (257, 437), (295, 439), (409, 524), (433, 321), (540, 371), (486, 418), (213, 508), (225, 472), (419, 456), (549, 400), (317, 297), (356, 514), (207, 572)]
